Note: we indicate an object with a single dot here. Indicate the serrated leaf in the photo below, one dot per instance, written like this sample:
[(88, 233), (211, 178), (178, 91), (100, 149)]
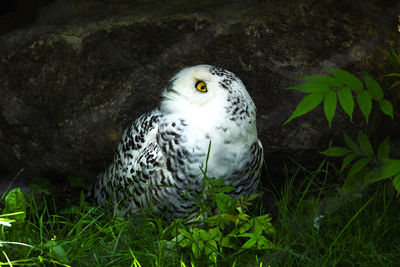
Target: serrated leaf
[(374, 89), (396, 183), (347, 79), (365, 145), (336, 151), (307, 104), (347, 160), (365, 103), (384, 149), (386, 107), (357, 167), (346, 100), (351, 144), (330, 102)]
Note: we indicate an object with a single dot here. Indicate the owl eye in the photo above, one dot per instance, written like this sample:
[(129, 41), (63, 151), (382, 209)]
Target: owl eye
[(201, 86)]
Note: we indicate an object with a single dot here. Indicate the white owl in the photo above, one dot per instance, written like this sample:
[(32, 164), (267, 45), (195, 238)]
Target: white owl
[(158, 160)]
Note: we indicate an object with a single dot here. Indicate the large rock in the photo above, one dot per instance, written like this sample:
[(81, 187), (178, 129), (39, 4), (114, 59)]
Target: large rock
[(81, 71)]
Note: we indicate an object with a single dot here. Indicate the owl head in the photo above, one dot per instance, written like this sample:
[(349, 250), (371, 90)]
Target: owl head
[(207, 89)]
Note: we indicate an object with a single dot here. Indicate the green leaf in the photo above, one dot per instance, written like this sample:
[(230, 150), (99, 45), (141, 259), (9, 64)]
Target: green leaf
[(365, 103), (365, 145), (310, 87), (346, 100), (357, 167), (336, 151), (384, 149), (15, 202), (347, 160), (351, 144), (395, 85), (252, 197), (245, 227), (185, 233), (396, 183), (59, 253), (391, 168), (228, 242), (347, 79), (393, 75), (210, 247), (307, 104), (374, 89), (321, 79), (372, 176), (386, 107), (250, 243), (196, 251), (330, 102), (225, 203), (184, 242)]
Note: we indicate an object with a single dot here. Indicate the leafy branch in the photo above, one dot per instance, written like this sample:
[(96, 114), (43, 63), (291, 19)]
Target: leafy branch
[(367, 167), (340, 87), (363, 164)]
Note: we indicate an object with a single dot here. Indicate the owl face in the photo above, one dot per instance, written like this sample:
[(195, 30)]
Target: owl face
[(207, 96), (195, 86)]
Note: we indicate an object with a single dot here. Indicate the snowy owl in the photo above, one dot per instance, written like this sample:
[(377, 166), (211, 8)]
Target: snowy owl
[(159, 158)]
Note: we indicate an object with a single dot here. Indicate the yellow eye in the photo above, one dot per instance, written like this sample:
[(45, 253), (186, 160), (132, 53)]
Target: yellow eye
[(201, 86)]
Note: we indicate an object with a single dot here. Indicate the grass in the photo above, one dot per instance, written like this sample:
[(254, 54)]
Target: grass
[(360, 229)]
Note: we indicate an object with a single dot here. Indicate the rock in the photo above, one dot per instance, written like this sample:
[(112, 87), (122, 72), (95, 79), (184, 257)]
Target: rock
[(75, 77)]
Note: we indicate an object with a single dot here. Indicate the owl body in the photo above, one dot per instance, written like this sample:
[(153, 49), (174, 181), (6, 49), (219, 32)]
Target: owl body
[(159, 160)]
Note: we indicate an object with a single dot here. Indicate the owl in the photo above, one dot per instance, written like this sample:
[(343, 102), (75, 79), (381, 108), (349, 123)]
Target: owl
[(160, 158)]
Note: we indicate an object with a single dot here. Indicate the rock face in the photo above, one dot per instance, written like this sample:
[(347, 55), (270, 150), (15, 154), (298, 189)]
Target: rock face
[(74, 78)]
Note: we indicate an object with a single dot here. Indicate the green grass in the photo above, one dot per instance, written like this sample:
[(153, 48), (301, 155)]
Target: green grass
[(361, 229)]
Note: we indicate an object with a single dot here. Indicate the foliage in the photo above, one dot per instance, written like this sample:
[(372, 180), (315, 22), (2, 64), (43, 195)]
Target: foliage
[(230, 230), (360, 231), (364, 166), (340, 87), (40, 232), (394, 59), (234, 231), (318, 228), (369, 167)]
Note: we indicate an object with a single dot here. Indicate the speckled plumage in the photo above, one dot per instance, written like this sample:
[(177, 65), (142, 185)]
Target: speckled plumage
[(159, 158)]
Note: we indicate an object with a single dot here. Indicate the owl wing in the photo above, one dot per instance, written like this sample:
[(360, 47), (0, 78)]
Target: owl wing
[(249, 182), (135, 160)]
